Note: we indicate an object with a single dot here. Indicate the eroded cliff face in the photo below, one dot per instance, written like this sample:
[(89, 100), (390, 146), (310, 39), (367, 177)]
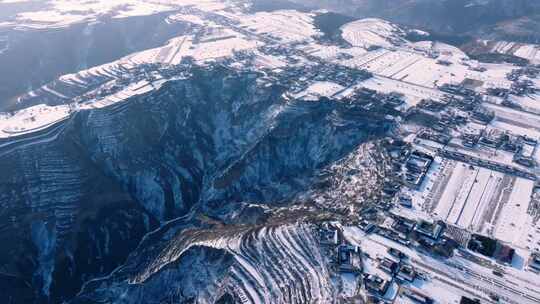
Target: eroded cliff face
[(78, 197)]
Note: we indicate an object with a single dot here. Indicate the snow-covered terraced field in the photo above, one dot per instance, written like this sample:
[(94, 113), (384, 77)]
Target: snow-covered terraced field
[(68, 87), (270, 264), (193, 19), (347, 56), (284, 26), (325, 52), (393, 63), (268, 61), (424, 72), (134, 89), (411, 64), (428, 72), (294, 270), (373, 32), (530, 52), (204, 48)]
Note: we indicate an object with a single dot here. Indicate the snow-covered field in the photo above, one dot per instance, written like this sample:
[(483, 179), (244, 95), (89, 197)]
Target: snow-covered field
[(134, 89), (335, 54), (320, 89), (483, 201), (284, 26), (530, 102), (530, 52), (42, 116), (518, 130), (393, 63), (409, 62), (413, 93), (517, 119), (262, 60), (373, 32), (32, 119), (512, 226), (216, 44)]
